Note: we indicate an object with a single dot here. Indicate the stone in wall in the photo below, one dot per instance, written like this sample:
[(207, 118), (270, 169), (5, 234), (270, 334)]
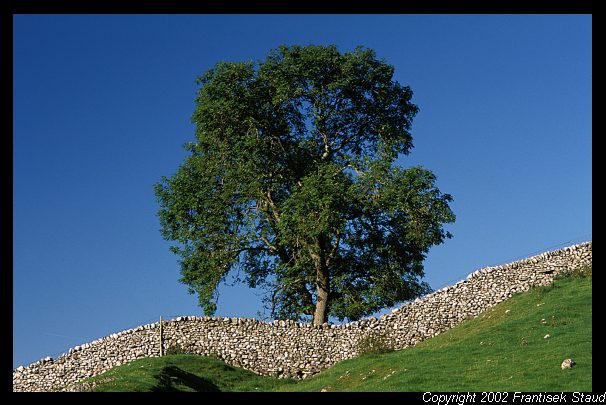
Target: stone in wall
[(290, 349)]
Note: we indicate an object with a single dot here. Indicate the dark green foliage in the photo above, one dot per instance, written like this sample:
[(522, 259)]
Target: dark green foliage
[(177, 349), (291, 181), (172, 350), (580, 272), (374, 343)]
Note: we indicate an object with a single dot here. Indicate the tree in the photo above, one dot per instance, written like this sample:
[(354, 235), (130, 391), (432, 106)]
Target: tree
[(292, 181)]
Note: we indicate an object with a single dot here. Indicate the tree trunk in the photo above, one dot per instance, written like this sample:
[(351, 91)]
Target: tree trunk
[(321, 314), (322, 285)]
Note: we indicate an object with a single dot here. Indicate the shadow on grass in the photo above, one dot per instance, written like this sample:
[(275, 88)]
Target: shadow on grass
[(172, 378)]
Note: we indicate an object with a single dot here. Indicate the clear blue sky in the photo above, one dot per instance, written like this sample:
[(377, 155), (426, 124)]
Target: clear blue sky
[(102, 106)]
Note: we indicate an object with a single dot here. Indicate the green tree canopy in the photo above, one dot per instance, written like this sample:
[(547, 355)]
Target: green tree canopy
[(292, 180)]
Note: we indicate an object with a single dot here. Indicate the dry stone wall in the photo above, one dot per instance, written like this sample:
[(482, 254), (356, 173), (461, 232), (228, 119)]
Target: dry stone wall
[(290, 349)]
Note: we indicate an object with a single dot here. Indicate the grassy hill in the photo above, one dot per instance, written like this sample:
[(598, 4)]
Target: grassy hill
[(516, 346), (181, 372)]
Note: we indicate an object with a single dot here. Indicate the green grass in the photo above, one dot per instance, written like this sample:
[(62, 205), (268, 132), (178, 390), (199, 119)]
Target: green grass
[(183, 372), (503, 349)]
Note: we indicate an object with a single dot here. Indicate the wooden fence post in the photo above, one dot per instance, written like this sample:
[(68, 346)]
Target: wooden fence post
[(161, 345)]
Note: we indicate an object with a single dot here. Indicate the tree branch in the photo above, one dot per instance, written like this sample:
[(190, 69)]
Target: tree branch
[(270, 247), (333, 251), (252, 248), (360, 174)]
